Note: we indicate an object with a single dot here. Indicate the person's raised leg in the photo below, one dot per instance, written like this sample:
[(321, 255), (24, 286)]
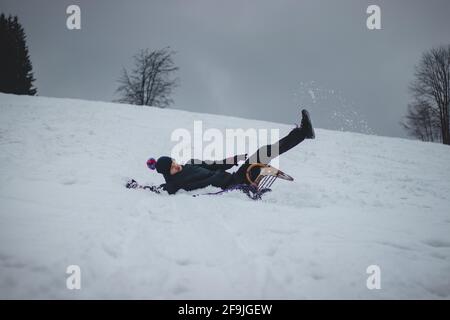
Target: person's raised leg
[(268, 152)]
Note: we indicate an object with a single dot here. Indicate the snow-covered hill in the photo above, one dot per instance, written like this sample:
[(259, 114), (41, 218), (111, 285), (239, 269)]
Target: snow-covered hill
[(357, 200)]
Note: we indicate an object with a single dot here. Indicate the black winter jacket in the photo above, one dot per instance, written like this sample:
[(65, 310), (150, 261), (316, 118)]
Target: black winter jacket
[(199, 174)]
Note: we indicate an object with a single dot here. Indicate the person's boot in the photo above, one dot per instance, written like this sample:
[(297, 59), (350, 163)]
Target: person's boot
[(306, 125)]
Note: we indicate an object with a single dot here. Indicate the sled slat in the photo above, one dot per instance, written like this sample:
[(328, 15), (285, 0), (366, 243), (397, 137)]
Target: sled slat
[(266, 182)]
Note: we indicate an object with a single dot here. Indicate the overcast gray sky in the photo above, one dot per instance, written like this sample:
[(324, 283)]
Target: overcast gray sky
[(251, 58)]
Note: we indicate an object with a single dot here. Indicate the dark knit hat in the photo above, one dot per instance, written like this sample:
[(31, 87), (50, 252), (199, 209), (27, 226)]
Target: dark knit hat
[(163, 165)]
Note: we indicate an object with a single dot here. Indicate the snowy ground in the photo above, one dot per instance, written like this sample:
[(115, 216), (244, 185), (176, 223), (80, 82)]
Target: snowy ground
[(357, 200)]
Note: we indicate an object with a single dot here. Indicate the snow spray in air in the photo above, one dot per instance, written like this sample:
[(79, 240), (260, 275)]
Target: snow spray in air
[(334, 110)]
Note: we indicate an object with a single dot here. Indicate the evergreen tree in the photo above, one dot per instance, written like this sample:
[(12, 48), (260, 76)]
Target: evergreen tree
[(16, 74)]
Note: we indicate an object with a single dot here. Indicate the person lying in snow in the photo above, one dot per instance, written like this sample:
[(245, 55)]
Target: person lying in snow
[(197, 174)]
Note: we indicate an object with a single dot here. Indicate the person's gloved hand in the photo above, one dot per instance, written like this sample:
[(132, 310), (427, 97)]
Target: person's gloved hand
[(168, 187)]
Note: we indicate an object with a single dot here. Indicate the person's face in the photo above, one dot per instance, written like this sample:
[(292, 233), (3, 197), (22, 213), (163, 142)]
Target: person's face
[(175, 168)]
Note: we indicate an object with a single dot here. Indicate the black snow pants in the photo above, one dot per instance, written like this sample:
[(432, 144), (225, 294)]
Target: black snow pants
[(268, 152)]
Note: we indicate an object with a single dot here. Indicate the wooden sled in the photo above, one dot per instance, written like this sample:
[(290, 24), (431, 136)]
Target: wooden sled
[(266, 176)]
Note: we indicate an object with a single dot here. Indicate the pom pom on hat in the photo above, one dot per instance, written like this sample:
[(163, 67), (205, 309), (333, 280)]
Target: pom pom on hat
[(151, 164)]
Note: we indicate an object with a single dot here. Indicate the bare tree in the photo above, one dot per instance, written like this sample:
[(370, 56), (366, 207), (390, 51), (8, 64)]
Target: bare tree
[(428, 116), (149, 82), (422, 122)]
